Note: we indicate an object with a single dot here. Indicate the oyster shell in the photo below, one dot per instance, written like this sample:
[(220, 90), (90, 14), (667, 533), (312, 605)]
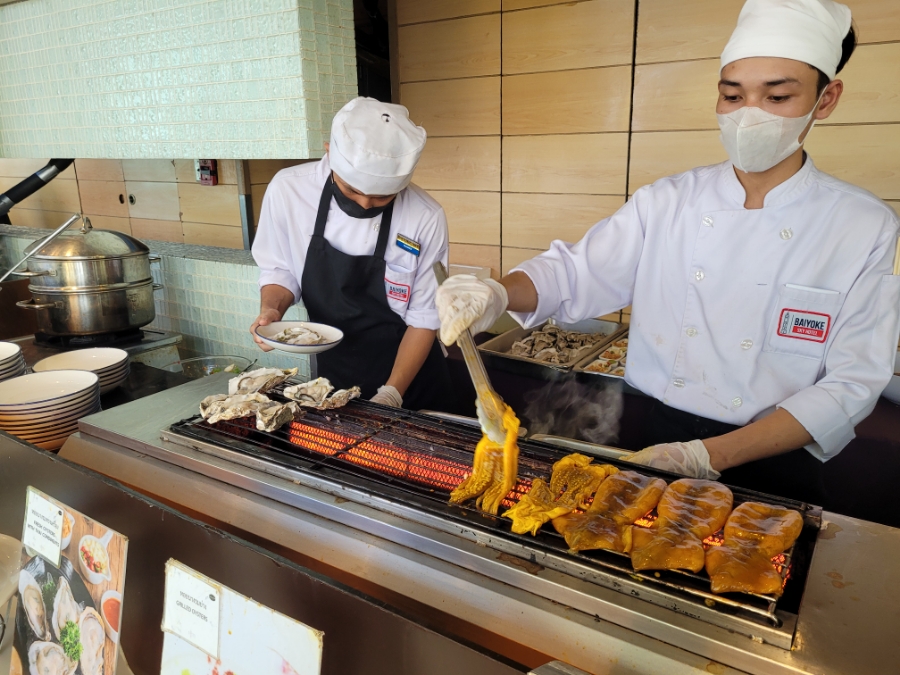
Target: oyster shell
[(33, 602), (310, 393), (260, 380), (221, 407), (64, 607), (273, 417), (92, 639), (340, 398), (299, 335), (48, 658)]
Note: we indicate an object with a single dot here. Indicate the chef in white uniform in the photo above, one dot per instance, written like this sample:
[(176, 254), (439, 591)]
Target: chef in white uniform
[(353, 239), (764, 310)]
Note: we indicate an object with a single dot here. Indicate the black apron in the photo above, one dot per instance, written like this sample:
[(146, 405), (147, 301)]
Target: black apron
[(348, 292), (795, 475)]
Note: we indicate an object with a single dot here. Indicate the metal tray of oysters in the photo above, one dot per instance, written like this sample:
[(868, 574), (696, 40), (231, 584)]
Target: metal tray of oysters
[(609, 361), (551, 350)]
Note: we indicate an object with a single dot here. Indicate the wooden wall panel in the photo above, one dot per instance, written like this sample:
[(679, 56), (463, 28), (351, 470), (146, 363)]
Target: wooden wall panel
[(677, 31), (156, 201), (418, 11), (158, 230), (262, 171), (574, 101), (512, 5), (582, 35), (533, 221), (103, 198), (460, 163), (473, 217), (99, 169), (185, 172), (450, 49), (57, 195), (111, 223), (655, 155), (21, 168), (512, 257), (257, 192), (216, 204), (877, 20), (676, 96), (205, 234), (48, 220), (895, 205), (865, 155), (871, 86), (579, 163), (155, 170), (478, 256), (469, 107)]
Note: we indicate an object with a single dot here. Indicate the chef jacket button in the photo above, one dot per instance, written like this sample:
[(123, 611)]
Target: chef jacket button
[(691, 332), (736, 401), (708, 221), (746, 344), (786, 233), (698, 275), (678, 382)]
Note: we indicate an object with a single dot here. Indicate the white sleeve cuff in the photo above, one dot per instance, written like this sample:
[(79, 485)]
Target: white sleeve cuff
[(423, 318), (281, 278), (547, 292), (824, 419)]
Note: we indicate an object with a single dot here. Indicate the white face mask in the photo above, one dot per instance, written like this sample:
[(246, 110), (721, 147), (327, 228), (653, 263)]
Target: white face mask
[(756, 140)]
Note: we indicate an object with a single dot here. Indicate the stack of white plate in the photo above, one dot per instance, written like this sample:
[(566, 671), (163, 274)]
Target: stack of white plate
[(12, 362), (109, 364), (44, 408)]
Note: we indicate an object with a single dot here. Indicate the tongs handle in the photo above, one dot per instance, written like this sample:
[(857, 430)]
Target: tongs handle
[(490, 415)]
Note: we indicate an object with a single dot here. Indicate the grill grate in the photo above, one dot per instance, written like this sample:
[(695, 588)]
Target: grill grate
[(419, 460)]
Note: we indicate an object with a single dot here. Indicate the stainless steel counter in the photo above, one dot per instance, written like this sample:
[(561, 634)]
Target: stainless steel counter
[(846, 625)]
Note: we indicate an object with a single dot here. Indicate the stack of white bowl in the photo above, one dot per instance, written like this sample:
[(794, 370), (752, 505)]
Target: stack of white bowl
[(44, 408), (12, 361), (109, 364)]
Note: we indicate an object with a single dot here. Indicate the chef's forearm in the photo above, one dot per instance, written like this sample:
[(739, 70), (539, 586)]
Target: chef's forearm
[(523, 295), (414, 349), (275, 297), (775, 434)]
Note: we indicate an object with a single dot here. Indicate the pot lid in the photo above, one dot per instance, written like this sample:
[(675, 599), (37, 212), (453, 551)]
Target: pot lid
[(89, 243)]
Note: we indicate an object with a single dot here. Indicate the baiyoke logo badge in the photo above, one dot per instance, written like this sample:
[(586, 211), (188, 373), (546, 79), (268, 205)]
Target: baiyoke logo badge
[(811, 326), (397, 291)]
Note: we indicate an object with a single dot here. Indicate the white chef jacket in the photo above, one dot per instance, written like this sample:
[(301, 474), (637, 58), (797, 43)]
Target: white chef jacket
[(736, 311), (288, 218)]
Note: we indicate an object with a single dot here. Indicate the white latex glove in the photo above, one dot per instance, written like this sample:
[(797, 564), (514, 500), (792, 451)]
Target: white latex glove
[(388, 395), (688, 459), (466, 302)]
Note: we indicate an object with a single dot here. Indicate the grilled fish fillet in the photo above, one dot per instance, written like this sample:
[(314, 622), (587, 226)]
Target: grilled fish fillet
[(620, 500), (754, 534), (690, 510), (573, 482)]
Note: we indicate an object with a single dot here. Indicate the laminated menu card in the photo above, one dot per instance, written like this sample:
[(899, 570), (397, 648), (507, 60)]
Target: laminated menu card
[(69, 609)]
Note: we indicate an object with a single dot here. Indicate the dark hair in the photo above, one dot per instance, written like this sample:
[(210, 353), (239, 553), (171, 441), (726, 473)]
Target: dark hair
[(847, 48)]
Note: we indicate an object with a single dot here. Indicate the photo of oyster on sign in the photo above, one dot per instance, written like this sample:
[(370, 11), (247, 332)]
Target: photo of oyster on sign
[(69, 615)]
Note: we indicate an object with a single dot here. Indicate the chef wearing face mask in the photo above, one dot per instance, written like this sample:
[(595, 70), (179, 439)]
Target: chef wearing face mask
[(764, 310), (353, 239)]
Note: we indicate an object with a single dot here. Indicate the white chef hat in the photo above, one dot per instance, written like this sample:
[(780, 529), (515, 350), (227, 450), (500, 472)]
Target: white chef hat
[(811, 31), (374, 146)]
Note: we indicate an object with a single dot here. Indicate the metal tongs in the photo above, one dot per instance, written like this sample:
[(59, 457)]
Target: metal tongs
[(58, 231), (488, 402)]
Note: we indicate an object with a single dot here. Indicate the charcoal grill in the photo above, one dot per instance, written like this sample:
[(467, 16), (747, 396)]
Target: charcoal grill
[(407, 464)]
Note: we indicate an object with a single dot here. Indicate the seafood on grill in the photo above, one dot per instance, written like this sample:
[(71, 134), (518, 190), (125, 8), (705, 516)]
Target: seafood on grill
[(494, 469), (93, 635), (552, 344), (318, 394), (64, 607), (573, 482), (620, 501), (260, 380), (270, 415), (690, 511), (33, 602), (299, 335), (754, 534)]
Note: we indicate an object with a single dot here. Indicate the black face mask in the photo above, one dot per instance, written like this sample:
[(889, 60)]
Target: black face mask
[(351, 208)]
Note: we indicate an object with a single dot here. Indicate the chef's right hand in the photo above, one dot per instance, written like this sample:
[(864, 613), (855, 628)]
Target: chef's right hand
[(265, 317), (466, 302)]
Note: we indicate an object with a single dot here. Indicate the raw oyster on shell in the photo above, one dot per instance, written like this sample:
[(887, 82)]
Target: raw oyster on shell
[(270, 415), (299, 335), (92, 638), (273, 417), (49, 658), (340, 398), (315, 394), (260, 380), (64, 607), (33, 602)]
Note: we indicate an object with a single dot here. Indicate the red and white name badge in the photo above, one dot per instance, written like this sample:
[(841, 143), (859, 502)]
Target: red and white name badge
[(800, 325), (397, 291)]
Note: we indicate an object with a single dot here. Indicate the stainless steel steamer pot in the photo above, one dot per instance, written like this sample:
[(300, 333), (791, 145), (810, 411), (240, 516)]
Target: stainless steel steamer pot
[(90, 281)]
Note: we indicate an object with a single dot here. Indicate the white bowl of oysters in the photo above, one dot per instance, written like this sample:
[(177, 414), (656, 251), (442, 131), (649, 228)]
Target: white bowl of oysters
[(300, 337)]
